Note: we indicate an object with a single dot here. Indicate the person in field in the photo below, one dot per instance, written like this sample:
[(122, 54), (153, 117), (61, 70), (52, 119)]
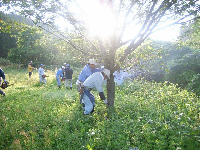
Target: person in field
[(88, 70), (2, 76), (68, 76), (41, 74), (30, 69), (59, 74), (96, 81)]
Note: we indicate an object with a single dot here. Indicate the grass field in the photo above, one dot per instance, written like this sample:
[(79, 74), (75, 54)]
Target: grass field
[(146, 116)]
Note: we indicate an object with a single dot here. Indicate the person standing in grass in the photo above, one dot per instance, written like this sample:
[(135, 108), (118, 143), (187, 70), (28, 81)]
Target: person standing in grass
[(68, 76), (41, 74), (96, 81), (59, 74), (30, 69), (2, 76)]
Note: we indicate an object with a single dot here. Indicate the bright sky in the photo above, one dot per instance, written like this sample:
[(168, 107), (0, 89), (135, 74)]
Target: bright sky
[(167, 34), (100, 21)]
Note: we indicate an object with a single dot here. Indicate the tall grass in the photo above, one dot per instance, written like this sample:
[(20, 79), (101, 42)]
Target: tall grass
[(146, 116)]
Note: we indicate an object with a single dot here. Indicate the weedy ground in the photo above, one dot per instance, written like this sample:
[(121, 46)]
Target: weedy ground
[(145, 116)]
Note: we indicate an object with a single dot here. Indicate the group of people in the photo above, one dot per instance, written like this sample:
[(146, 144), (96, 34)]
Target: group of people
[(40, 71), (89, 78), (64, 73)]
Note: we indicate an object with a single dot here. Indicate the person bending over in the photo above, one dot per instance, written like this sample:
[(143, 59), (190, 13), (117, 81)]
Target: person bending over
[(96, 81)]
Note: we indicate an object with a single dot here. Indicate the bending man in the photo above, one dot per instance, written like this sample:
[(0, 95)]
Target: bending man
[(93, 81), (88, 70)]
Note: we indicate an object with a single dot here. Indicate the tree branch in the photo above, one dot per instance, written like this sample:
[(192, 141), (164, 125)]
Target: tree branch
[(174, 23), (124, 25), (65, 40), (146, 28)]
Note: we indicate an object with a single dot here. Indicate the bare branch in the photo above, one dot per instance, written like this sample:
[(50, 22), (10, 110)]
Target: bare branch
[(65, 40), (73, 22), (147, 28), (177, 22), (127, 14)]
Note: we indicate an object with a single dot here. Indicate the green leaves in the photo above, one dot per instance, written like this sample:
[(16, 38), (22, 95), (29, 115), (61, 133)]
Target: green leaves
[(146, 115), (190, 34), (163, 114)]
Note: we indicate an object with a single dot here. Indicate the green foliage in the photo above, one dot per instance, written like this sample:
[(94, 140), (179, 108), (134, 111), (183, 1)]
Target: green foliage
[(24, 42), (4, 62), (190, 34), (194, 84), (149, 51), (165, 61), (155, 58), (164, 115), (184, 72), (6, 40), (146, 115)]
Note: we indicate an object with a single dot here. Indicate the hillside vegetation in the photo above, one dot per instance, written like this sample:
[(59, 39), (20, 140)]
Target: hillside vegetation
[(146, 116)]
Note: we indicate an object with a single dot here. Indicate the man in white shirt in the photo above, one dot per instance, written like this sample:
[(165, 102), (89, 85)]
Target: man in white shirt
[(95, 80), (41, 74)]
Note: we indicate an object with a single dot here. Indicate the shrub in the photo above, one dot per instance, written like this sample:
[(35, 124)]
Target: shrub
[(5, 62)]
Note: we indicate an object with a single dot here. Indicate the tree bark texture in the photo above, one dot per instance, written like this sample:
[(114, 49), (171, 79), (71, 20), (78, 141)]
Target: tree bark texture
[(110, 91), (110, 64)]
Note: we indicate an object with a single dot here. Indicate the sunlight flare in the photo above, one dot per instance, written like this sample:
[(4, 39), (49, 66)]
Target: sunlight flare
[(99, 19)]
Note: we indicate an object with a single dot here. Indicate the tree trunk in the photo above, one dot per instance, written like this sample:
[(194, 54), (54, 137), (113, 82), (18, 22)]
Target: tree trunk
[(111, 91), (110, 64)]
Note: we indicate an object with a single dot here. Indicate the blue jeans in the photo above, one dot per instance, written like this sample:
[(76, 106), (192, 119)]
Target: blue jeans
[(89, 101), (58, 80)]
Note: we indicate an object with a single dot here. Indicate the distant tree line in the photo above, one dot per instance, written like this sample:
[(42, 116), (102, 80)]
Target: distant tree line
[(178, 63), (22, 41)]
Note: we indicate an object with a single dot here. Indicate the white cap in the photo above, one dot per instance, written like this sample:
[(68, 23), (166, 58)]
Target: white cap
[(92, 61), (63, 67), (107, 72)]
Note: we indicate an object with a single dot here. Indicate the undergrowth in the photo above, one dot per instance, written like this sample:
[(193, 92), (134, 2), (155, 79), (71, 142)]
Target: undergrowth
[(145, 116)]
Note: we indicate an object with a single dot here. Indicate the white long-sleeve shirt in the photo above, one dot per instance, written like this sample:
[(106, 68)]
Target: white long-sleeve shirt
[(95, 80)]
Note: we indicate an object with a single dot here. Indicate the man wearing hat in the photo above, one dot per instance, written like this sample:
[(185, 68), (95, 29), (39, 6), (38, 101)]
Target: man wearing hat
[(96, 81), (88, 70), (41, 74)]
